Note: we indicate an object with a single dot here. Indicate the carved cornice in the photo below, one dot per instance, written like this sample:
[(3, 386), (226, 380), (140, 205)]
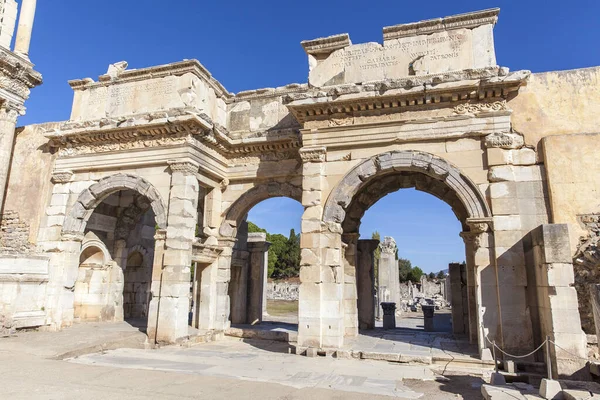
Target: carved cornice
[(313, 154), (17, 75), (326, 45), (173, 127), (469, 92), (479, 225), (467, 20), (61, 176)]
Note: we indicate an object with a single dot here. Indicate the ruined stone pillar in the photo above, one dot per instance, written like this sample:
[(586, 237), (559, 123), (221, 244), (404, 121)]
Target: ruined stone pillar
[(349, 252), (155, 287), (365, 283), (8, 121), (25, 27), (558, 308), (259, 257), (459, 325), (389, 281), (170, 312), (483, 303), (321, 306)]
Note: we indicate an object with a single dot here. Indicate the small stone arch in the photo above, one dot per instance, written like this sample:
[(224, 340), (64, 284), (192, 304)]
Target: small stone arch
[(143, 252), (444, 180), (251, 198), (91, 241), (87, 201)]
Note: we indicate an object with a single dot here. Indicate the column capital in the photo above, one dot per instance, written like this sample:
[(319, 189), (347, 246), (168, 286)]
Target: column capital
[(10, 111), (480, 225), (313, 154), (187, 167), (388, 246)]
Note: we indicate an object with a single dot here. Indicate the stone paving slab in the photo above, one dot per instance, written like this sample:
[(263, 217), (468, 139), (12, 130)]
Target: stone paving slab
[(265, 362)]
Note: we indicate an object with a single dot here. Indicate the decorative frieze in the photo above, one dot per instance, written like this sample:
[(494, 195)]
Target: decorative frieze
[(313, 154), (476, 108), (504, 140), (61, 176)]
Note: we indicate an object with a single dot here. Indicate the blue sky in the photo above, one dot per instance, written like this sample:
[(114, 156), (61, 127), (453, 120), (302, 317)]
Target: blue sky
[(249, 45)]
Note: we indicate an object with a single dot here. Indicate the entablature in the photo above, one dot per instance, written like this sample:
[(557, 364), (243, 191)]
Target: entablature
[(397, 96)]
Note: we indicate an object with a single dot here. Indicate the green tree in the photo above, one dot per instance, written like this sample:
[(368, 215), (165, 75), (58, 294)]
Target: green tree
[(404, 268), (441, 275), (253, 228), (415, 274), (431, 276), (376, 254), (276, 253)]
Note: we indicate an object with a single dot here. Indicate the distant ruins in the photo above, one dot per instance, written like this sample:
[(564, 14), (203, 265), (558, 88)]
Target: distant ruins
[(104, 215)]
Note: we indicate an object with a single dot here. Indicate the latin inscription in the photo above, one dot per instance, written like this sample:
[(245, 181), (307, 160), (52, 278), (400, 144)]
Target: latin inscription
[(148, 92), (436, 48)]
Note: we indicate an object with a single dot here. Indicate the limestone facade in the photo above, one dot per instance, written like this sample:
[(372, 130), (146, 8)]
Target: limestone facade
[(429, 109)]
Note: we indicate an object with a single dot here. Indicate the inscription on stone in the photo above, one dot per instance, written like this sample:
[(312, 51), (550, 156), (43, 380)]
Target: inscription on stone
[(147, 92)]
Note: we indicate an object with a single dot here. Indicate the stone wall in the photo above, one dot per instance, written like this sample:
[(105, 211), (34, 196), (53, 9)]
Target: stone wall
[(283, 290), (14, 234), (557, 103)]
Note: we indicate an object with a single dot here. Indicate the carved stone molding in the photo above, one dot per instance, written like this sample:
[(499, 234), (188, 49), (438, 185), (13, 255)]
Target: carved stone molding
[(476, 108), (479, 225), (187, 167), (504, 141), (61, 176), (313, 154)]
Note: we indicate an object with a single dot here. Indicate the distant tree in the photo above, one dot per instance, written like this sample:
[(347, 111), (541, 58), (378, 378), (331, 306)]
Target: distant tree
[(441, 275), (404, 269), (253, 228), (431, 276), (276, 253), (377, 254), (415, 274)]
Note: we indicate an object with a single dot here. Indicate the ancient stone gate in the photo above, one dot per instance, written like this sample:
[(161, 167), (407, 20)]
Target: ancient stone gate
[(157, 168)]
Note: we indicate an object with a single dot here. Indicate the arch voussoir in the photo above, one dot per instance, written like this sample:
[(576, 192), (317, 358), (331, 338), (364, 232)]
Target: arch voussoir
[(367, 182)]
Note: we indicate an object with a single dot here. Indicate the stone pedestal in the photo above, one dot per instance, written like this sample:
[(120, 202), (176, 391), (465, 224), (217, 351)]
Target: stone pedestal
[(365, 282), (389, 315), (428, 312)]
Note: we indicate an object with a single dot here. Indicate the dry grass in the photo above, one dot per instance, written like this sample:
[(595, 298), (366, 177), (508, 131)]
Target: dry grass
[(282, 307)]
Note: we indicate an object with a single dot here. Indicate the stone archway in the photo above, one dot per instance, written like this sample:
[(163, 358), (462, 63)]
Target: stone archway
[(252, 197), (87, 201), (445, 180), (382, 174)]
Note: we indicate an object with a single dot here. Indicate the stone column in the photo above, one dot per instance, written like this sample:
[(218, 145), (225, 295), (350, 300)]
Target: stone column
[(389, 283), (365, 283), (321, 309), (25, 27), (259, 253), (458, 323), (170, 312), (8, 121), (483, 275)]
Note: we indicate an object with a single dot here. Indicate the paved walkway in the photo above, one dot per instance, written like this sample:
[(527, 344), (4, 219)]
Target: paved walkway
[(29, 369)]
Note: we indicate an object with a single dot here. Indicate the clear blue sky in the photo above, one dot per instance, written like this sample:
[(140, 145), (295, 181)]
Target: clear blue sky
[(249, 45)]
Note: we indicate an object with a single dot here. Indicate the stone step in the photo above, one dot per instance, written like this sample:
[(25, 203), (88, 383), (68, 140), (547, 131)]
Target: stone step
[(251, 332)]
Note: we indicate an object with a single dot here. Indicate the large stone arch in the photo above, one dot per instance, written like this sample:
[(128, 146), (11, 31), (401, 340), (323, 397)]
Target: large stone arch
[(252, 197), (87, 201), (390, 171)]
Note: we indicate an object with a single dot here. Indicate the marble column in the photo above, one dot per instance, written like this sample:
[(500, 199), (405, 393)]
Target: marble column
[(8, 121), (389, 282), (25, 27), (365, 282)]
